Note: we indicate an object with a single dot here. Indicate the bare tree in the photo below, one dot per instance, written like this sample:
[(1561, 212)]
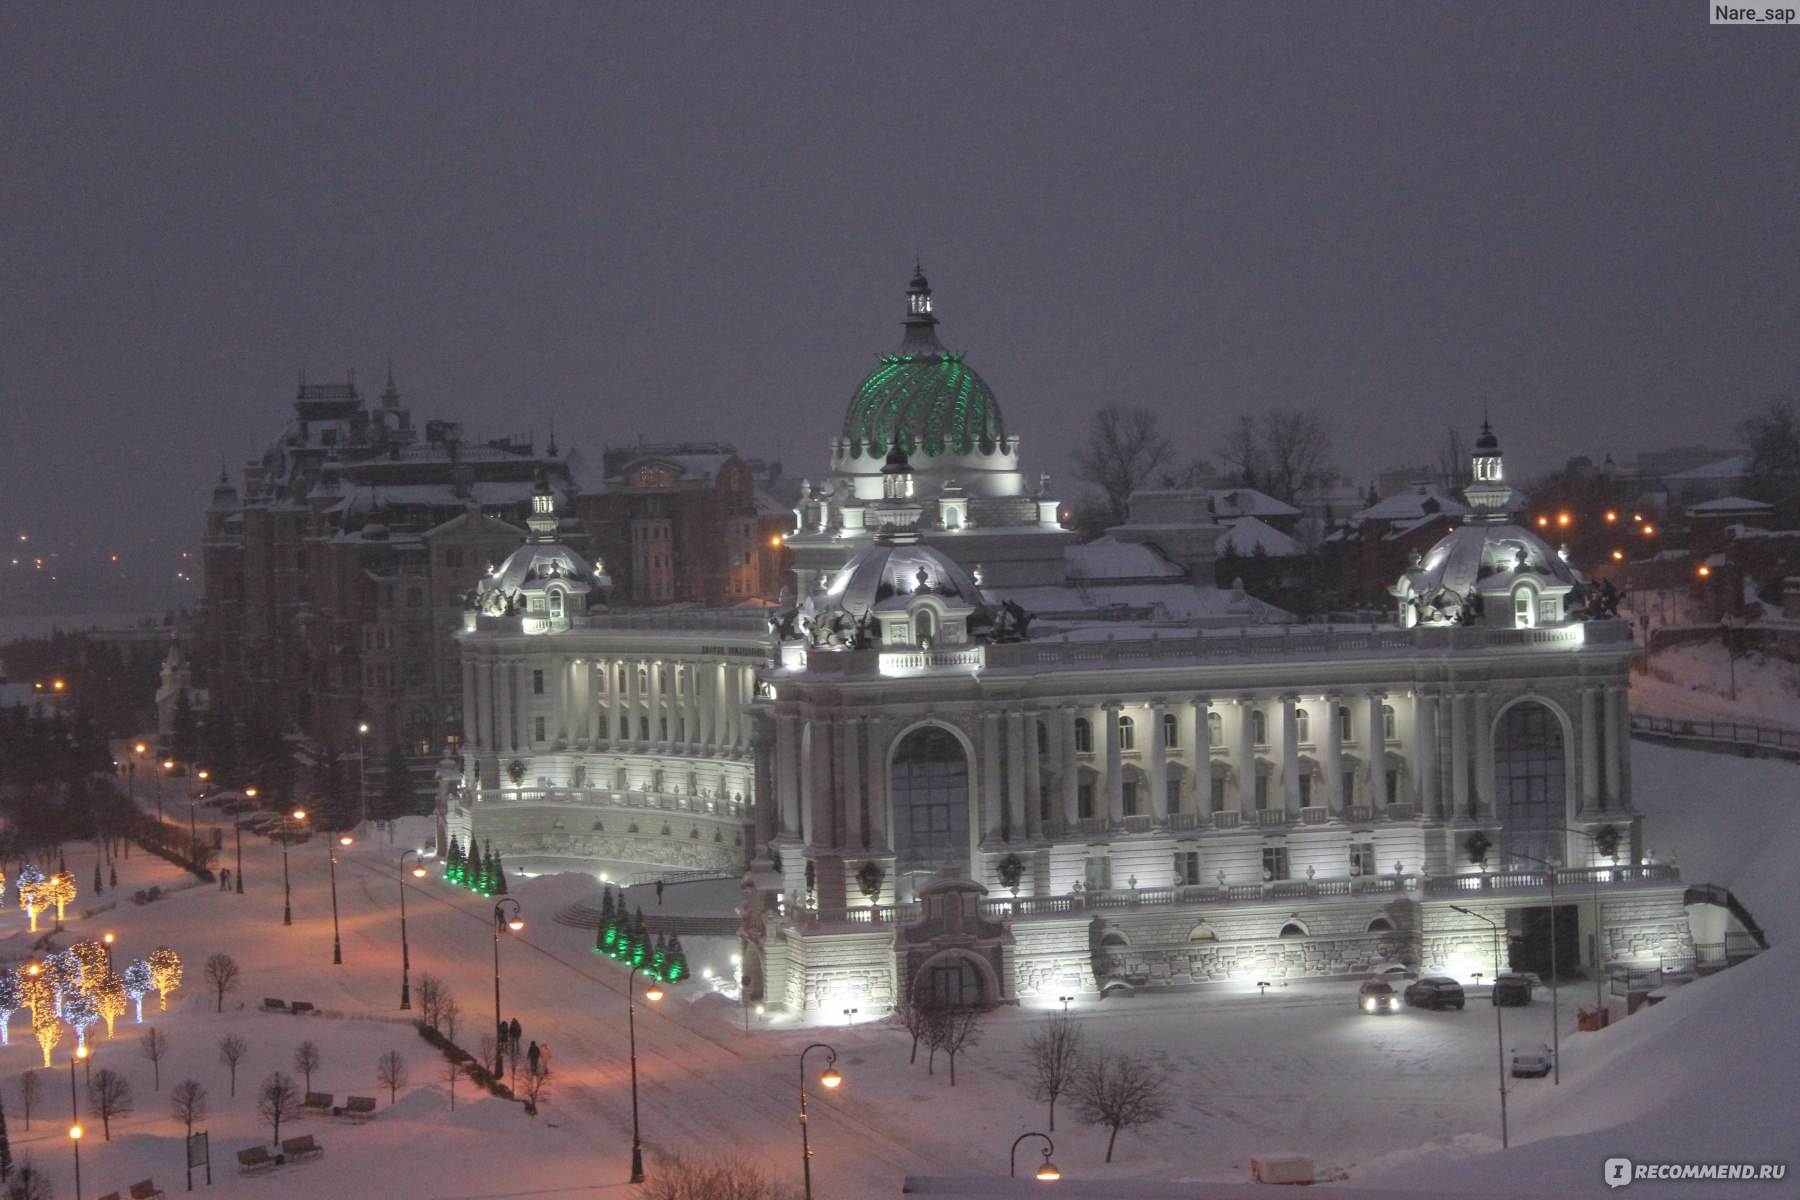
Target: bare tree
[(430, 992), (487, 1049), (537, 1085), (452, 1068), (277, 1100), (1771, 441), (31, 1089), (731, 1178), (915, 1018), (954, 1030), (1122, 448), (1054, 1054), (449, 1014), (306, 1061), (1284, 452), (154, 1047), (187, 1103), (1120, 1093), (390, 1072), (1453, 463), (222, 974), (28, 1183), (109, 1096), (231, 1052)]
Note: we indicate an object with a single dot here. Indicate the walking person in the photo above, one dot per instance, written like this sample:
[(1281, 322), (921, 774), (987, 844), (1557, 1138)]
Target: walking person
[(532, 1057), (516, 1031)]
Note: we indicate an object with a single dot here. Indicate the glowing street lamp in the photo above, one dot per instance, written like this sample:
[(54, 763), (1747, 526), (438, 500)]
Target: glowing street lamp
[(75, 1141), (238, 883), (1499, 1019), (405, 953), (337, 945), (830, 1079), (515, 923), (1046, 1170), (287, 890), (362, 776), (653, 993)]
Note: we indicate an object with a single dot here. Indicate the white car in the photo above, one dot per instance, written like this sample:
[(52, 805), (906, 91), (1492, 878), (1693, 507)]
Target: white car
[(1531, 1062)]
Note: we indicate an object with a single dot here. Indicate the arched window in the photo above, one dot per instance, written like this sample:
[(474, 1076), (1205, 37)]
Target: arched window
[(1302, 726), (1530, 782), (1127, 733), (1201, 933), (1259, 727), (953, 981), (1524, 609), (1294, 929), (1084, 736), (1215, 729), (924, 628), (1387, 723), (929, 787), (556, 603), (1171, 732), (1381, 925)]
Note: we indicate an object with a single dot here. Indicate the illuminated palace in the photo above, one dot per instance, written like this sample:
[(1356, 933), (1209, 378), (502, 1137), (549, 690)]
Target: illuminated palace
[(972, 757)]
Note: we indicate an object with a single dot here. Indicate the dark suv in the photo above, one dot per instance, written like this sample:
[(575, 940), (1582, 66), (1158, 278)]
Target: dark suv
[(1513, 989), (1435, 991)]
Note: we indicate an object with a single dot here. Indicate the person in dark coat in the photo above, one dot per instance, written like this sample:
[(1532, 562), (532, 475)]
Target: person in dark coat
[(531, 1056), (515, 1031), (659, 888)]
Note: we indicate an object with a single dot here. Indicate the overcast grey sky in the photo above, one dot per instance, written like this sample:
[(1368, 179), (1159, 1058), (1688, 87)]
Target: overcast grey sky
[(697, 221)]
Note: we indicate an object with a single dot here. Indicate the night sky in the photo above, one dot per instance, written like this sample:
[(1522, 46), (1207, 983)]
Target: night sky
[(662, 221)]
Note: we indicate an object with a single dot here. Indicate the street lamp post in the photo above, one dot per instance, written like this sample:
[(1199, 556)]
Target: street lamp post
[(1499, 1017), (75, 1141), (168, 764), (337, 945), (652, 993), (80, 1055), (362, 772), (1045, 1171), (405, 950), (830, 1078), (107, 942), (287, 890), (516, 924), (1555, 974)]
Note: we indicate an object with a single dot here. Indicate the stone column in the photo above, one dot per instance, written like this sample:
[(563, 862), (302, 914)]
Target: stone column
[(633, 700), (1425, 706), (1115, 773), (850, 736), (1159, 765), (565, 700), (1619, 757), (1617, 740), (1203, 749), (471, 722), (990, 815), (1034, 779), (508, 740), (1484, 756), (1015, 775), (787, 772), (1290, 755), (1332, 757), (1071, 767), (659, 714), (1590, 752), (876, 768), (1459, 750), (1246, 755)]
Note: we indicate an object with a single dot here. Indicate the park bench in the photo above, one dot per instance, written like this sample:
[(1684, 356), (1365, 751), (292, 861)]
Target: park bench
[(317, 1102), (272, 1005), (357, 1108), (145, 1189), (301, 1148), (253, 1161), (300, 1006), (110, 1196)]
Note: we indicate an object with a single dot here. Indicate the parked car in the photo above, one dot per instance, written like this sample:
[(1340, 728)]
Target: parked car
[(1435, 991), (1376, 996), (1531, 1062), (1513, 989)]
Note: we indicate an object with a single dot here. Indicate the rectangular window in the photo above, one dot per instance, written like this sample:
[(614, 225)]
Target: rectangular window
[(537, 726), (1218, 793), (1187, 868), (1130, 790), (1173, 798), (1275, 863), (537, 683), (1099, 873), (1171, 732), (1344, 725), (1306, 791), (453, 745), (1349, 783), (1393, 786), (1362, 858), (1084, 800), (1262, 790)]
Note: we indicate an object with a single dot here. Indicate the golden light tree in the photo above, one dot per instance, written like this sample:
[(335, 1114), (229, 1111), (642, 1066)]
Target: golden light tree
[(49, 1030), (93, 959), (39, 995), (32, 897), (165, 972), (62, 892), (110, 998)]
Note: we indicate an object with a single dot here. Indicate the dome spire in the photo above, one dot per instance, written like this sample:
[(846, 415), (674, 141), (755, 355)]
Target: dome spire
[(921, 334), (1488, 494)]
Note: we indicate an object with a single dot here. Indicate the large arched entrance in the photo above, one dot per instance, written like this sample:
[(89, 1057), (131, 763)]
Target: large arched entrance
[(928, 786), (1530, 783)]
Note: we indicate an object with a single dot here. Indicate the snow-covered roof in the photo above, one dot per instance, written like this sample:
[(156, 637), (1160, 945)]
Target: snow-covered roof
[(1726, 468), (1416, 501), (1731, 504), (1248, 502), (1247, 535), (1106, 557)]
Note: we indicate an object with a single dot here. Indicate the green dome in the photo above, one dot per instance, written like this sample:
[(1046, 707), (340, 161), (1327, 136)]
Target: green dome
[(923, 399)]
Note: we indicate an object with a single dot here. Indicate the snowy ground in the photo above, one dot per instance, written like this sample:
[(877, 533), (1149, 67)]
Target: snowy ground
[(1700, 682), (1402, 1103)]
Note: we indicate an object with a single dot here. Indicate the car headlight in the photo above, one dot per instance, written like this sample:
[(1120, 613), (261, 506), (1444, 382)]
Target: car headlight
[(1369, 1004)]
